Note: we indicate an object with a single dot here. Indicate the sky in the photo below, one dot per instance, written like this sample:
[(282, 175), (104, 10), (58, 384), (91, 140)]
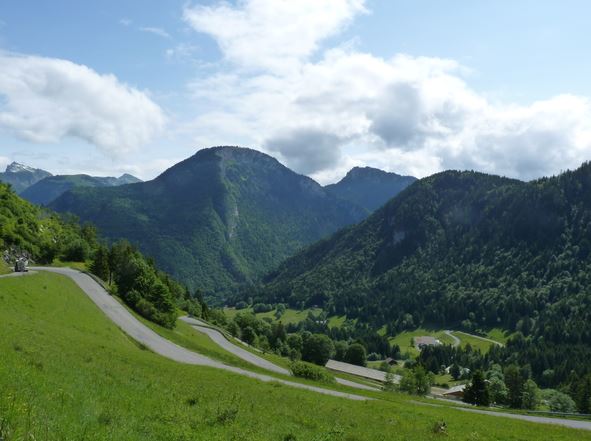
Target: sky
[(408, 86)]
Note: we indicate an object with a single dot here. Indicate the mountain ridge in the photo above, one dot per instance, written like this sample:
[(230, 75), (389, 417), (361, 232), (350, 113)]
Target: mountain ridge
[(369, 187), (50, 188), (21, 176), (219, 218)]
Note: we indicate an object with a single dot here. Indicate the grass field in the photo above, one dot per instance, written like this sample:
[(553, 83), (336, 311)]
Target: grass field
[(289, 316), (404, 338), (82, 266), (4, 267), (473, 340), (67, 372), (499, 335)]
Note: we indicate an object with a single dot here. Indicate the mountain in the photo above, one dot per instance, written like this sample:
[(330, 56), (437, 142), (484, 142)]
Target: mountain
[(369, 187), (20, 176), (459, 249), (50, 188), (222, 217)]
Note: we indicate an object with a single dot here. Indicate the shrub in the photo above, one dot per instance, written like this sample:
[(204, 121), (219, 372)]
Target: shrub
[(318, 348), (76, 251), (310, 371), (356, 355), (241, 305), (262, 307)]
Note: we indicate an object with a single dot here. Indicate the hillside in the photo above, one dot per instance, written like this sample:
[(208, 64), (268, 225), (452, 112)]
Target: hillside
[(222, 217), (20, 177), (369, 187), (48, 189), (461, 249), (40, 234), (78, 376)]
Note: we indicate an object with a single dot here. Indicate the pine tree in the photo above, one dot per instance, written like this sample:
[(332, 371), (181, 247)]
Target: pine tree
[(477, 391), (515, 382), (100, 263)]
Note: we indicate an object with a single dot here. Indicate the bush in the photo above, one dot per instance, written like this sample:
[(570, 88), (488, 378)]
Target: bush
[(241, 305), (373, 357), (356, 355), (318, 348), (262, 307), (76, 251), (310, 371)]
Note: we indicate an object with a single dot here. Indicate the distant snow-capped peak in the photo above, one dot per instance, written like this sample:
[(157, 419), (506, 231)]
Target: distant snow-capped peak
[(16, 167)]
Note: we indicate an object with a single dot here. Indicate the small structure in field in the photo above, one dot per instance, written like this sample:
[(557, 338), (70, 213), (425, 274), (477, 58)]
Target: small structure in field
[(391, 361), (455, 393), (359, 371), (421, 342), (21, 265)]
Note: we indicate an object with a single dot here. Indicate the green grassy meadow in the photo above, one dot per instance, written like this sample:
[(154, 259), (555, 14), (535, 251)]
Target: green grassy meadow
[(474, 341), (67, 372), (404, 339), (289, 316), (4, 267)]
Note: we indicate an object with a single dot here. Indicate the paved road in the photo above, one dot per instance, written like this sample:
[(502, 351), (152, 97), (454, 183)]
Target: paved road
[(573, 424), (141, 333), (242, 353), (456, 340), (224, 343)]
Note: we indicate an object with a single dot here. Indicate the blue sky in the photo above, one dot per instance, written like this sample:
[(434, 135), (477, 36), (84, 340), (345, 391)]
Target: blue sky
[(408, 86)]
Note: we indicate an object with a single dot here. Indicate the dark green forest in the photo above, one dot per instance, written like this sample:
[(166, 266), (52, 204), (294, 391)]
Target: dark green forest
[(222, 217), (465, 250)]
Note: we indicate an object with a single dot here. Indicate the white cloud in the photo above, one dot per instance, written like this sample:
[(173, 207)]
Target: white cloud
[(272, 34), (3, 163), (325, 110), (47, 99), (156, 31), (125, 22)]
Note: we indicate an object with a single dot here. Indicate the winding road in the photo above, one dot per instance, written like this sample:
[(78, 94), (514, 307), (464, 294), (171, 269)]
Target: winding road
[(220, 339), (456, 340), (141, 333), (144, 335)]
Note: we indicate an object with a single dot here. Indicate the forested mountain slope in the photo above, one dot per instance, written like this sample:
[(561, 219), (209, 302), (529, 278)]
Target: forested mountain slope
[(369, 187), (20, 177), (48, 189), (459, 248), (222, 217)]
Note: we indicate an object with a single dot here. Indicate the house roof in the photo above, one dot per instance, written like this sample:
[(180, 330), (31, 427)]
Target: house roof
[(455, 389)]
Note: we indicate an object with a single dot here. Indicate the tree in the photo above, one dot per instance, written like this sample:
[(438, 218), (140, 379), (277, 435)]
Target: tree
[(515, 383), (477, 391), (498, 390), (530, 398), (455, 371), (356, 355), (389, 384), (416, 381), (583, 395), (294, 341), (317, 349), (340, 350), (496, 384), (248, 335), (558, 401), (408, 382), (100, 263)]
